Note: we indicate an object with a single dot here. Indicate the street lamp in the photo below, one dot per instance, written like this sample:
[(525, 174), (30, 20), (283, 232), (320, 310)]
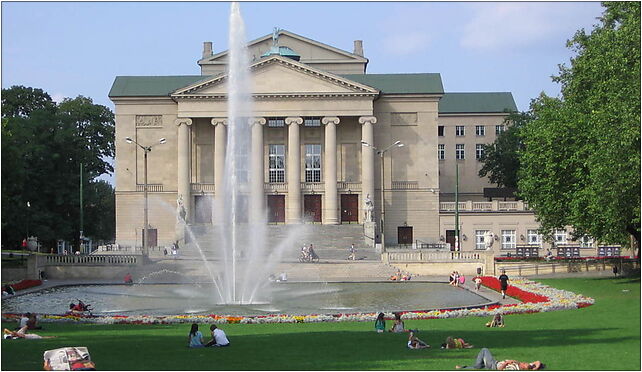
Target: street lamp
[(146, 149), (383, 204)]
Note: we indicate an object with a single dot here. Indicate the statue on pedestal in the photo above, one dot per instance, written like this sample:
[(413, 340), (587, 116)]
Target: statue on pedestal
[(369, 208), (180, 209), (489, 237)]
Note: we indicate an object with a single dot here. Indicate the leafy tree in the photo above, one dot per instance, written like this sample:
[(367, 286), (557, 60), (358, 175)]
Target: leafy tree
[(42, 148), (501, 158), (581, 163)]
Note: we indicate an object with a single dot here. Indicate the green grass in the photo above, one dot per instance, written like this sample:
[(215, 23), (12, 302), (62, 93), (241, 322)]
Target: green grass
[(605, 336)]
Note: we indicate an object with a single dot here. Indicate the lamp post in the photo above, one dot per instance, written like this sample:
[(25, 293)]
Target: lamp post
[(146, 149), (383, 203)]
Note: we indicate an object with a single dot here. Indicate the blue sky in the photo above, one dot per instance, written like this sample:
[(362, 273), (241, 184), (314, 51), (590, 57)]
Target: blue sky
[(78, 48)]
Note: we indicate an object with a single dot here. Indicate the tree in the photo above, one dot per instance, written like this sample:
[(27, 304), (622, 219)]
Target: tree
[(581, 162), (42, 148), (501, 158)]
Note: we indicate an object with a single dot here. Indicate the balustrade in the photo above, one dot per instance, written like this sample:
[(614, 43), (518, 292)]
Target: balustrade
[(152, 187), (203, 187), (92, 260)]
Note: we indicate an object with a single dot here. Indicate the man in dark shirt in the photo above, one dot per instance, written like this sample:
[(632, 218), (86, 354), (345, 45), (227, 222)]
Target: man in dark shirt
[(503, 281)]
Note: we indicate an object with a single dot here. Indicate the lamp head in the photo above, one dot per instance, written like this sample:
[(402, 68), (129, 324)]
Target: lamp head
[(399, 144), (162, 140), (129, 140), (366, 144)]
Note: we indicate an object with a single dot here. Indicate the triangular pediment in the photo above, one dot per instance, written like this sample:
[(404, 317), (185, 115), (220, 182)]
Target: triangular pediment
[(280, 76), (310, 51)]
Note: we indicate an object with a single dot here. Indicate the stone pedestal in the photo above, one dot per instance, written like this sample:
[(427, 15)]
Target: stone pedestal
[(369, 230)]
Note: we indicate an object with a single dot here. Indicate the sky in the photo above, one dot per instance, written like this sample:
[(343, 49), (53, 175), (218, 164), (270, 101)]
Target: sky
[(78, 48)]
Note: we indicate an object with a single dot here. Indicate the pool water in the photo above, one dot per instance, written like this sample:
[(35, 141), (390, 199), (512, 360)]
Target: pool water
[(288, 298)]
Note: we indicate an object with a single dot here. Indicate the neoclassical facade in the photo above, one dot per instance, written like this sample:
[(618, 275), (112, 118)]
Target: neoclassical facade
[(314, 108)]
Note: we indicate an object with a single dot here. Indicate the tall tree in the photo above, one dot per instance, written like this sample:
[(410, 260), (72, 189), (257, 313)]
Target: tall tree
[(501, 158), (581, 163), (43, 145)]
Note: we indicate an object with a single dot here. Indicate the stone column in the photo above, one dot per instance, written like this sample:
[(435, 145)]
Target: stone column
[(257, 174), (367, 161), (293, 208), (330, 170), (183, 146), (220, 142)]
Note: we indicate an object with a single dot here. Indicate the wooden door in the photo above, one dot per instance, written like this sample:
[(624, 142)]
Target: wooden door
[(276, 208), (312, 207), (153, 237), (203, 206), (450, 238), (404, 235), (349, 208)]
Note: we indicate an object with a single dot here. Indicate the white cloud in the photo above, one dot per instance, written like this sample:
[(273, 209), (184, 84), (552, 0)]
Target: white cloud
[(504, 26), (57, 97)]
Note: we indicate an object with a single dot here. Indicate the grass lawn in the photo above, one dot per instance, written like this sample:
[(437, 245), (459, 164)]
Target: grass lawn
[(605, 336)]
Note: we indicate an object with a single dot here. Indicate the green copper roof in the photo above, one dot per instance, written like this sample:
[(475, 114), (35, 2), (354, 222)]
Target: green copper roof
[(283, 51), (461, 103), (139, 86), (401, 83)]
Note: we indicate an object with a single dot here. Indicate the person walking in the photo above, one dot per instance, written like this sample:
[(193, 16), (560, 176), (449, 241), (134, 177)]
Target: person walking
[(503, 281), (353, 252)]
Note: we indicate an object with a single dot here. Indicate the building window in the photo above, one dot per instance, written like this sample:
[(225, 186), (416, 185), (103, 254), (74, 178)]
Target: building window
[(533, 237), (480, 130), (312, 163), (441, 152), (276, 122), (586, 242), (440, 130), (312, 122), (460, 130), (459, 151), (508, 239), (499, 129), (560, 237), (479, 151), (277, 163), (479, 239)]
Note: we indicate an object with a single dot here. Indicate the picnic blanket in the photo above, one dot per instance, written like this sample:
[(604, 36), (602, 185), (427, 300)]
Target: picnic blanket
[(68, 359)]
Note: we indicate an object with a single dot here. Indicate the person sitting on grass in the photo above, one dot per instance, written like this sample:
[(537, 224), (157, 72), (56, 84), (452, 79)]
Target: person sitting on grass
[(195, 337), (415, 343), (498, 321), (455, 343), (485, 360), (398, 326), (22, 333), (219, 339), (380, 323), (32, 322)]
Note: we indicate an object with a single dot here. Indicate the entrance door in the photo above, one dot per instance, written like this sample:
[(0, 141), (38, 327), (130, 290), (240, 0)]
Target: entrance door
[(349, 208), (203, 205), (276, 208), (404, 235), (312, 207), (153, 237), (450, 238)]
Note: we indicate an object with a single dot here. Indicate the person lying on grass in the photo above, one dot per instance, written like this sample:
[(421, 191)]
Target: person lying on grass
[(22, 333), (416, 343), (485, 360), (455, 343), (195, 337)]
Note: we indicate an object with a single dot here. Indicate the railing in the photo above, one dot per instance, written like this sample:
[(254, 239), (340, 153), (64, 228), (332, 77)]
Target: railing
[(203, 187), (344, 186), (312, 186), (405, 185), (278, 187), (423, 256), (476, 206), (92, 260), (151, 187)]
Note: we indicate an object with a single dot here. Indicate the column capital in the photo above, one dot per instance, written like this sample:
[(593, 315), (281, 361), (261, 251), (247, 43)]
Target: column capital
[(186, 121), (294, 120), (367, 119), (330, 120), (256, 121), (216, 121)]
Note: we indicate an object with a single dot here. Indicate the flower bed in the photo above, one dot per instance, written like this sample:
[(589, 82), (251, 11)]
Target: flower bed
[(534, 297), (559, 258)]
